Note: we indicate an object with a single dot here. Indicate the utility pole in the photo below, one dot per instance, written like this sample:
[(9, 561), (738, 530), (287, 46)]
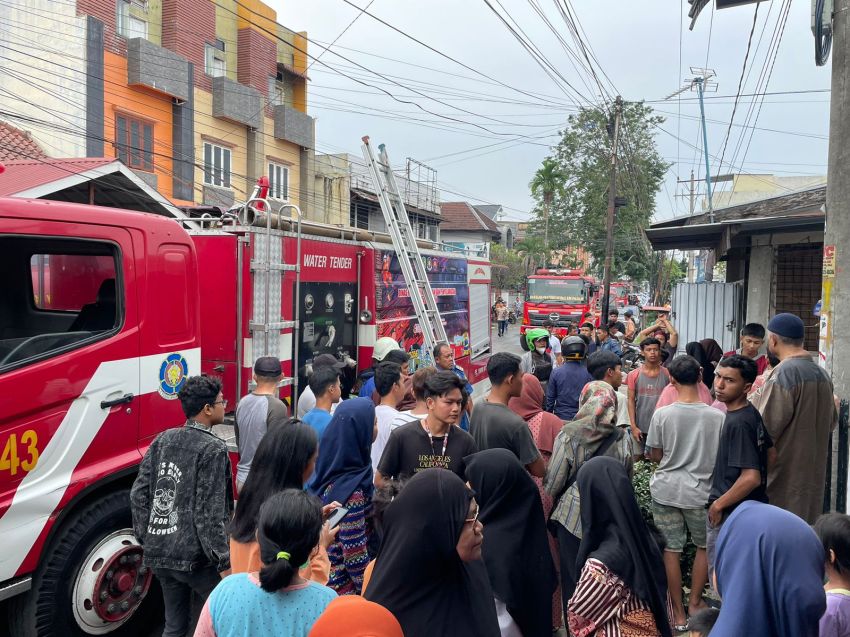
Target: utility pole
[(612, 203), (835, 319), (703, 81), (692, 197)]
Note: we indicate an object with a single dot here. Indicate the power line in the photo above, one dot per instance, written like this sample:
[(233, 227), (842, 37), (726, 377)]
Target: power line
[(342, 33), (740, 85)]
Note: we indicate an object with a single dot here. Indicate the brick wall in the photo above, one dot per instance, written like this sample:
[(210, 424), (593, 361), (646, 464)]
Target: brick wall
[(187, 25), (107, 12), (257, 60)]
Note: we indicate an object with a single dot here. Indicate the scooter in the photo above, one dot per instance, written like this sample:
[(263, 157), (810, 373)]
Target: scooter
[(632, 357)]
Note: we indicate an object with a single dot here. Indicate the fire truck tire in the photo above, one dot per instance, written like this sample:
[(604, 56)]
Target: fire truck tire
[(98, 532)]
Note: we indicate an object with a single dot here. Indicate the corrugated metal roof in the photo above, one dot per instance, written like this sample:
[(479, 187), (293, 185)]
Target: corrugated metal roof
[(24, 174), (17, 144)]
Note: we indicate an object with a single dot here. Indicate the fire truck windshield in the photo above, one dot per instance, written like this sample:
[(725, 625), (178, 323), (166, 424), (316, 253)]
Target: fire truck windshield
[(556, 291)]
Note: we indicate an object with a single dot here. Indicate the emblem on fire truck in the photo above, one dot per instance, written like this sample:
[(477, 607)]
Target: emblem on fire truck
[(172, 376)]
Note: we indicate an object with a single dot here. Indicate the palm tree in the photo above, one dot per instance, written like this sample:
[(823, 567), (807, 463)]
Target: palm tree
[(548, 182)]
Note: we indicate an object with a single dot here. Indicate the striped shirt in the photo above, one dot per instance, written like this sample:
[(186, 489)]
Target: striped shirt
[(567, 458), (603, 606)]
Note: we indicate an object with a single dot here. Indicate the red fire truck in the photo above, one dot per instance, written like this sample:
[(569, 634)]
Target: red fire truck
[(103, 315), (561, 296)]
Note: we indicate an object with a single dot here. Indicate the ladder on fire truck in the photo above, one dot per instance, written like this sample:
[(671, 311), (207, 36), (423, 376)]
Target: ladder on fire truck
[(404, 242), (268, 268)]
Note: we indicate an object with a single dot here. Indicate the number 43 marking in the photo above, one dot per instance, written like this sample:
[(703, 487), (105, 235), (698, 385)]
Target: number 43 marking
[(10, 460)]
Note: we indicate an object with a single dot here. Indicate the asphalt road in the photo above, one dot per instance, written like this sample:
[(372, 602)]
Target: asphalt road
[(509, 342)]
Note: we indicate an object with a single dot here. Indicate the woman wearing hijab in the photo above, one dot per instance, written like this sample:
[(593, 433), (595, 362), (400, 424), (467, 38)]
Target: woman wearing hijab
[(769, 572), (544, 428), (713, 353), (353, 616), (429, 573), (593, 432), (623, 586), (344, 474), (516, 552)]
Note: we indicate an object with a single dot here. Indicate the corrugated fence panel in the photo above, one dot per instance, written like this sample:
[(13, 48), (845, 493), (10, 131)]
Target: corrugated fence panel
[(707, 310)]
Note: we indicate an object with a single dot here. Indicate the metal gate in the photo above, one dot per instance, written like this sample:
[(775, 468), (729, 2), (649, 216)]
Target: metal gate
[(708, 310)]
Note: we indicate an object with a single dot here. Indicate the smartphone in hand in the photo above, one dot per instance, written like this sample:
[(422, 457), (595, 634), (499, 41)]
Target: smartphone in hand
[(336, 517)]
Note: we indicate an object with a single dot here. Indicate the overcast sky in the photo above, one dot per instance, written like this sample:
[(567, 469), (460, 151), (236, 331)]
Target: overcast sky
[(637, 44)]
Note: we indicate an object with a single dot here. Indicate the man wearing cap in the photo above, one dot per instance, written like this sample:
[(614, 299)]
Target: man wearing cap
[(383, 346), (307, 400), (566, 382), (796, 403), (256, 412)]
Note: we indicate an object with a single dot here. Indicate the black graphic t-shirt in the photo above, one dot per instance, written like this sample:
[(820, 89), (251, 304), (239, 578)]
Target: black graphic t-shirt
[(409, 451)]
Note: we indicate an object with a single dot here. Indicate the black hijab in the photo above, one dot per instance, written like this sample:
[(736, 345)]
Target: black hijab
[(419, 576), (614, 532), (696, 350), (516, 548)]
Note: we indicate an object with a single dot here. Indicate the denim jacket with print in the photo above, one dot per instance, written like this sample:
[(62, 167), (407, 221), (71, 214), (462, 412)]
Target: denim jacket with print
[(182, 500)]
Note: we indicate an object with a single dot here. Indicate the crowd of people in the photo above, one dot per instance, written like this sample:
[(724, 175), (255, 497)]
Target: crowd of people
[(412, 509)]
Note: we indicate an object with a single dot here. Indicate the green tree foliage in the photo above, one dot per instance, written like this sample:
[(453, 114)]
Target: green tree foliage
[(548, 182), (577, 209), (664, 273), (508, 268)]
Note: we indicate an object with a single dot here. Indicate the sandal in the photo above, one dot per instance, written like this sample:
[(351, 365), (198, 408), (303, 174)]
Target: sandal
[(680, 628)]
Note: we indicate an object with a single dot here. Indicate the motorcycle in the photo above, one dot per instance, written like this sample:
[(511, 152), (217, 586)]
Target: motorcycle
[(632, 357), (511, 317)]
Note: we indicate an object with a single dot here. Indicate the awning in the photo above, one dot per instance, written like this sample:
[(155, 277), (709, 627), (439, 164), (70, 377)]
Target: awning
[(292, 70), (710, 235), (102, 181)]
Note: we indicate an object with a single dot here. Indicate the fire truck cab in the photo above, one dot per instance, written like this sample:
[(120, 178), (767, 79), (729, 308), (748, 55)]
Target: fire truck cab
[(110, 298), (561, 296), (104, 314)]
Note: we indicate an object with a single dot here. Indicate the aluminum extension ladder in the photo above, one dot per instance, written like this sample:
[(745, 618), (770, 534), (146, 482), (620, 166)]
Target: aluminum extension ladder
[(404, 242)]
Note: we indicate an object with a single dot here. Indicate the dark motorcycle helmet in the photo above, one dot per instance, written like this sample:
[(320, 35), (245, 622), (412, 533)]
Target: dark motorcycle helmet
[(573, 348)]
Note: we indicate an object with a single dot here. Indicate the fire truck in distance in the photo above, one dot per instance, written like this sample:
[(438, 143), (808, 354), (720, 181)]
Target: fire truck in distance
[(561, 296), (104, 313)]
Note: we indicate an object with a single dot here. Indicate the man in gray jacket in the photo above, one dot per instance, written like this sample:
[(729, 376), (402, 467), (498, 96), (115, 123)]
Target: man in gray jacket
[(181, 503)]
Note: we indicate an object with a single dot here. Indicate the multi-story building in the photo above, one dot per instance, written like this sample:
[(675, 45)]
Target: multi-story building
[(198, 97), (344, 194)]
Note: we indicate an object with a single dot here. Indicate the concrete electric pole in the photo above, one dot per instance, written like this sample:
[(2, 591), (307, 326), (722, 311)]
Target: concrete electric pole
[(612, 207), (835, 313)]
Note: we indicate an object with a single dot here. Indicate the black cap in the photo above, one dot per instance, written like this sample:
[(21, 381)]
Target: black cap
[(327, 360), (268, 366)]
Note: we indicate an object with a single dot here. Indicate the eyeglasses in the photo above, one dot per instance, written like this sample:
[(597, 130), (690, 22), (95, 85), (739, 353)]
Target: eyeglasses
[(222, 402)]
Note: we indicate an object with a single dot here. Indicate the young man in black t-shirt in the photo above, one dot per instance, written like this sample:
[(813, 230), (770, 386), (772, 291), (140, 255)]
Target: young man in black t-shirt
[(435, 441), (740, 471)]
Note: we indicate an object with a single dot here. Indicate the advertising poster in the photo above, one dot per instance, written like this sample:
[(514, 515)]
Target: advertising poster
[(328, 323), (396, 316)]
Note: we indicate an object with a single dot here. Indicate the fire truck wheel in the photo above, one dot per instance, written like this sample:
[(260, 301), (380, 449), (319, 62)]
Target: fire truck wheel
[(91, 580)]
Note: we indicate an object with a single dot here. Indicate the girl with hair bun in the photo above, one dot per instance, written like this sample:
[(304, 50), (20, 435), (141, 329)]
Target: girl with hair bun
[(277, 600)]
